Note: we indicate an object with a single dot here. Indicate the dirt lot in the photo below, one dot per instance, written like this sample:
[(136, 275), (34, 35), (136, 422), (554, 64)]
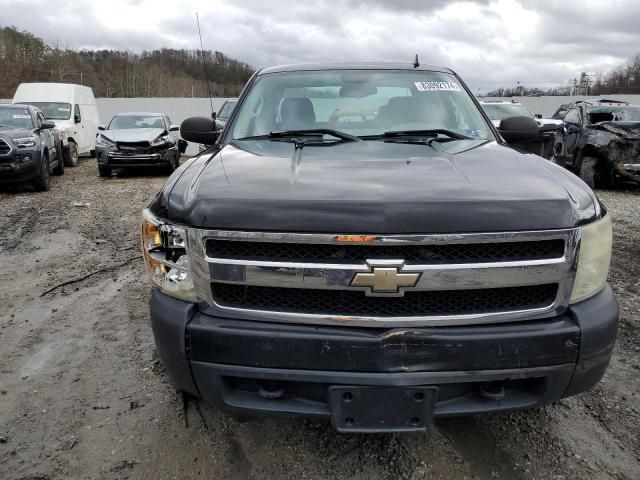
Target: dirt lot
[(82, 393)]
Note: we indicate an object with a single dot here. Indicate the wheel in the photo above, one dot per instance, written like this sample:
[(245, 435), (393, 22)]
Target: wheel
[(104, 170), (174, 164), (43, 182), (59, 168), (588, 171), (71, 155)]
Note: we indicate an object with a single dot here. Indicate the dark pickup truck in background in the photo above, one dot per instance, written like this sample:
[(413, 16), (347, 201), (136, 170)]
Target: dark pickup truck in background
[(30, 148), (380, 269), (600, 142)]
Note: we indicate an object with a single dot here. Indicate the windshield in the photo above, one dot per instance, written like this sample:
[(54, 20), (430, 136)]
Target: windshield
[(358, 102), (15, 117), (614, 114), (499, 111), (226, 109), (123, 122), (53, 110)]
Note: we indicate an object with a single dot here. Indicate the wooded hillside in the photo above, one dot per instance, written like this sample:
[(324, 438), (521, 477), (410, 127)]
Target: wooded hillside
[(110, 73)]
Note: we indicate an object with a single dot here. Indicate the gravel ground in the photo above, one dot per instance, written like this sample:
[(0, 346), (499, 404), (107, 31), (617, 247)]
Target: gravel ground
[(83, 395)]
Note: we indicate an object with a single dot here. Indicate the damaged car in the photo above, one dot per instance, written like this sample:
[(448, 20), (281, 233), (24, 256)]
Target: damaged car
[(542, 145), (138, 140), (600, 142)]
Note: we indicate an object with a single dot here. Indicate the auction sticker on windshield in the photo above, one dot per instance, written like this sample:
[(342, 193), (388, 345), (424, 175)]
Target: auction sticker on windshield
[(437, 86)]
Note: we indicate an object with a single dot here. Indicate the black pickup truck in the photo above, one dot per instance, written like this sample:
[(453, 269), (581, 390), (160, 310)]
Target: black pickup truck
[(600, 142), (29, 147), (376, 269)]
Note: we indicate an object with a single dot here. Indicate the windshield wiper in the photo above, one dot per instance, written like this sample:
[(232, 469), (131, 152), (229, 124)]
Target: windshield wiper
[(432, 134), (294, 134)]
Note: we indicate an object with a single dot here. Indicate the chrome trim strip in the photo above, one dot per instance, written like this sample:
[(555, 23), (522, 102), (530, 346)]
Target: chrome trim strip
[(562, 270), (373, 239), (432, 277)]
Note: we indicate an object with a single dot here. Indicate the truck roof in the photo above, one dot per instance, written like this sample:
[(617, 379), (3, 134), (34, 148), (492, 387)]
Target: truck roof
[(352, 66), (53, 92), (148, 114)]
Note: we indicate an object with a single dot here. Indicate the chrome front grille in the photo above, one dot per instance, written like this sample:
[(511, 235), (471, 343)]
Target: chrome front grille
[(447, 279), (354, 303)]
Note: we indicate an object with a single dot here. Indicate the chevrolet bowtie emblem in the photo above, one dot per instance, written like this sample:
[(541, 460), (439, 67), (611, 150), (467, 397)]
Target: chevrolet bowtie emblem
[(385, 280)]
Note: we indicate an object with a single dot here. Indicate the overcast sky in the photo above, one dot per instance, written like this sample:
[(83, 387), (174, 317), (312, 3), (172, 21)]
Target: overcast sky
[(490, 43)]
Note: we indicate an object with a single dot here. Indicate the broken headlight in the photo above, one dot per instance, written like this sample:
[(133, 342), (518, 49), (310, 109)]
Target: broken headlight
[(593, 259), (165, 255), (161, 140), (103, 141)]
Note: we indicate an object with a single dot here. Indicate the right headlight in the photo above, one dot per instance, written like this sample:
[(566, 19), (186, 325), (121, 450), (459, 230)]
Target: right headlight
[(593, 260), (164, 250)]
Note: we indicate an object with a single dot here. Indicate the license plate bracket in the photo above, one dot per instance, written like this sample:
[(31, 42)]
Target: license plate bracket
[(382, 409)]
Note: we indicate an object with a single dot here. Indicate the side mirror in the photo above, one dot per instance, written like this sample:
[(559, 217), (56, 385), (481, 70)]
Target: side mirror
[(101, 127), (538, 115), (518, 129), (199, 130), (47, 125), (174, 128), (76, 118)]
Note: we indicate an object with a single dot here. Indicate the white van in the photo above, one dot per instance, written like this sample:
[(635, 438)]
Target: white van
[(72, 108)]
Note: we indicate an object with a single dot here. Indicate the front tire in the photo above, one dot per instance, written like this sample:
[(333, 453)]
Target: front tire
[(104, 170), (588, 171), (71, 155), (59, 168), (43, 182), (174, 164)]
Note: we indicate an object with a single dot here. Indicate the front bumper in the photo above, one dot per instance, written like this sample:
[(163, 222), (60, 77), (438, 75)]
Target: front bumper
[(13, 170), (230, 363), (630, 171), (130, 159)]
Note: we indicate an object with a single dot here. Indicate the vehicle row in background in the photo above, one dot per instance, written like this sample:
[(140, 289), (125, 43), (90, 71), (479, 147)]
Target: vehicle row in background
[(542, 145), (225, 112), (30, 148), (600, 142), (221, 117), (138, 139), (72, 108)]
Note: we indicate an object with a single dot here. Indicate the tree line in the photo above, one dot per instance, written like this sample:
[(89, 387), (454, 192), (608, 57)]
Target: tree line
[(112, 73), (624, 79)]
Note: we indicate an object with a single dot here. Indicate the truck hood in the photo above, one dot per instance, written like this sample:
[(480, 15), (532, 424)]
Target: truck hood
[(624, 129), (134, 134), (374, 187), (12, 132)]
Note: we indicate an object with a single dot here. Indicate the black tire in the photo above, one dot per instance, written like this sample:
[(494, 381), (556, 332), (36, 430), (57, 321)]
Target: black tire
[(59, 168), (174, 164), (588, 171), (104, 170), (71, 155), (43, 182)]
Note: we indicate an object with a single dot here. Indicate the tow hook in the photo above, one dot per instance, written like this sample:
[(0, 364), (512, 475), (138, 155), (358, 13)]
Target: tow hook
[(492, 391), (271, 390)]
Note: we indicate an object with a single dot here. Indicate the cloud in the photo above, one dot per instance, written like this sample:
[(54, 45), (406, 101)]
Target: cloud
[(490, 43)]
